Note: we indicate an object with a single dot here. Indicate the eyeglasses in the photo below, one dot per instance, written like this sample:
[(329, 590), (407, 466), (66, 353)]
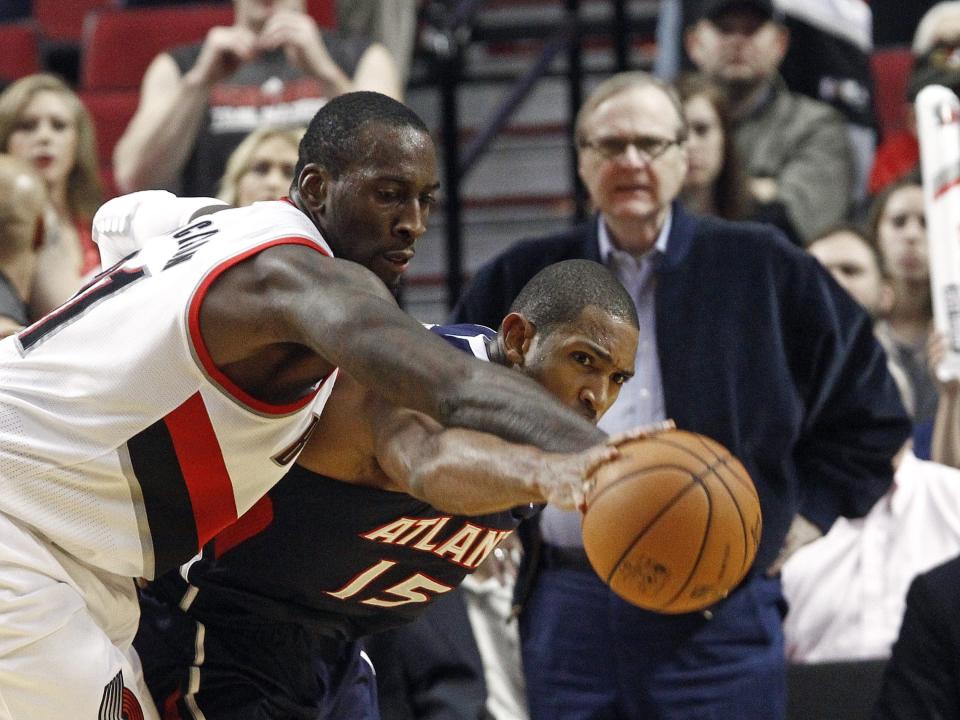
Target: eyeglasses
[(945, 56), (648, 148)]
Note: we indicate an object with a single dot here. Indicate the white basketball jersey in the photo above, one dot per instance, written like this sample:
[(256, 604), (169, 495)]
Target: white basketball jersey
[(120, 441)]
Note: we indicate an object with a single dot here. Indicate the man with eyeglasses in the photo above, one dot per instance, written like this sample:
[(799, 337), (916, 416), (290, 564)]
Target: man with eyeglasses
[(743, 337), (794, 149), (936, 61)]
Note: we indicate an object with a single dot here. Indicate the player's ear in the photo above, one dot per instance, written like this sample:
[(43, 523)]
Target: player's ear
[(313, 186), (516, 334)]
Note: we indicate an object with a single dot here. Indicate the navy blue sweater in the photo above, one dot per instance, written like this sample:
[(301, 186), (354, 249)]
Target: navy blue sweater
[(760, 349)]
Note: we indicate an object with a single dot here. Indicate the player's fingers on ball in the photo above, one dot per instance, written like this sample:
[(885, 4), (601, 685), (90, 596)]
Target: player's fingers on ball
[(597, 456), (659, 427), (625, 436), (642, 431)]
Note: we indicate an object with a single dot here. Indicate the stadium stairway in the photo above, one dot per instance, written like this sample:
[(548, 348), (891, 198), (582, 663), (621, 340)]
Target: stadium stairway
[(523, 186)]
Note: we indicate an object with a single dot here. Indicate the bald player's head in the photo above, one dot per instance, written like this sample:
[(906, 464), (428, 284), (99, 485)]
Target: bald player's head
[(23, 201)]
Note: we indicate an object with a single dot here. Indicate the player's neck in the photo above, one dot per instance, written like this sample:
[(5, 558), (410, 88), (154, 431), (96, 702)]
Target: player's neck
[(496, 353)]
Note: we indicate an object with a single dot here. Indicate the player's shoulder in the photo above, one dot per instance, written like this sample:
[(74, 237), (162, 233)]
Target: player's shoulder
[(468, 337), (272, 221)]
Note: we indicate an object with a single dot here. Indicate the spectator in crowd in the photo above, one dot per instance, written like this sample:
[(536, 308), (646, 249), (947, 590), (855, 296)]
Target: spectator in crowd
[(461, 658), (940, 24), (272, 67), (896, 225), (261, 168), (920, 681), (743, 338), (829, 59), (392, 23), (43, 122), (936, 61), (855, 263), (795, 149), (715, 182), (23, 205), (846, 590)]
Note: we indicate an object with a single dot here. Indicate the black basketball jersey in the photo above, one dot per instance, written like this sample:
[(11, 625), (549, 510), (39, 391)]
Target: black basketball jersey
[(342, 560)]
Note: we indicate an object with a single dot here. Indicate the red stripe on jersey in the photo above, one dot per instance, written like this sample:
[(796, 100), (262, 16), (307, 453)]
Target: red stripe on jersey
[(204, 471), (193, 315), (170, 711), (253, 522)]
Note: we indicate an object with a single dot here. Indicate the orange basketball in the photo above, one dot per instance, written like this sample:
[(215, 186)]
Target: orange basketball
[(673, 524)]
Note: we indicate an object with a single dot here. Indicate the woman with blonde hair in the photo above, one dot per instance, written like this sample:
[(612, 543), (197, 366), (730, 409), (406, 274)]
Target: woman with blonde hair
[(43, 122), (261, 168)]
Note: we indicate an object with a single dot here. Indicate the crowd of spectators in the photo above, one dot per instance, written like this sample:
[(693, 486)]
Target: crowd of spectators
[(818, 412)]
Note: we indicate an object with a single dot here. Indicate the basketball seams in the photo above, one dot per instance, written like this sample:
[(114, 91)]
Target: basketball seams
[(599, 493), (703, 544), (666, 507), (743, 524), (725, 461), (661, 494)]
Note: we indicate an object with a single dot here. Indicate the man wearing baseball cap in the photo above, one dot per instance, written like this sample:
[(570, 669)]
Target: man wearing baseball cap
[(936, 61), (795, 149)]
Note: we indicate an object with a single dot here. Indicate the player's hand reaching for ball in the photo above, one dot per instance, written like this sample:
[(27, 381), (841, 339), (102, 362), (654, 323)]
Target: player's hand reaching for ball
[(640, 432), (565, 479), (562, 477)]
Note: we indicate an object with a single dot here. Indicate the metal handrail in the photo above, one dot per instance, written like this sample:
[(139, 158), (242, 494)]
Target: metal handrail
[(451, 36)]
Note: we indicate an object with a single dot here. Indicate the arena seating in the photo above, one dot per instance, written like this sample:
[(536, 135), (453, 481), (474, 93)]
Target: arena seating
[(891, 70), (21, 49), (62, 20), (118, 44)]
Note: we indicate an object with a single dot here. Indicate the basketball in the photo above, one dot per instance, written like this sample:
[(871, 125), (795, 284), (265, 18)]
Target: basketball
[(673, 524)]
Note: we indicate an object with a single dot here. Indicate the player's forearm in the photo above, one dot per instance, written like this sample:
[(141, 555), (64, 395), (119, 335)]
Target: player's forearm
[(389, 352), (512, 406), (471, 473), (156, 145)]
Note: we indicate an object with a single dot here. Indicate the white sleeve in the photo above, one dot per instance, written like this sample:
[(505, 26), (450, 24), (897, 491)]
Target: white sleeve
[(123, 225)]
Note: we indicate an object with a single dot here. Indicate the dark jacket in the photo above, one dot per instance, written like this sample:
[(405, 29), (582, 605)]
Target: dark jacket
[(431, 669), (760, 349), (922, 679)]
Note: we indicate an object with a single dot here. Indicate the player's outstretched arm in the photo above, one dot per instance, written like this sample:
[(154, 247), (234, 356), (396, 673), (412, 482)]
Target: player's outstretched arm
[(340, 310), (472, 473), (363, 439)]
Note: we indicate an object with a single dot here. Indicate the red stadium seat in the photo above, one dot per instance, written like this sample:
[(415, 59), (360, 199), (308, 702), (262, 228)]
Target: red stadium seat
[(62, 20), (111, 111), (323, 12), (891, 71), (119, 44), (21, 50)]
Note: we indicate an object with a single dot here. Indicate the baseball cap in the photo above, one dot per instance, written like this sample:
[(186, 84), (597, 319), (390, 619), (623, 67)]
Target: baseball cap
[(712, 9), (938, 66)]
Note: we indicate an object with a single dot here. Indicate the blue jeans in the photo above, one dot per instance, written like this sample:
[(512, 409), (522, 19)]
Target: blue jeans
[(588, 655)]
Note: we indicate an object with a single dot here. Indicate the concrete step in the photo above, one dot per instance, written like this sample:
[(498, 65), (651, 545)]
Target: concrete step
[(522, 187)]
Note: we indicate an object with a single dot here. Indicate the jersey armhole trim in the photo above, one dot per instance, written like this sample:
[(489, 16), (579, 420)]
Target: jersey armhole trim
[(203, 353)]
